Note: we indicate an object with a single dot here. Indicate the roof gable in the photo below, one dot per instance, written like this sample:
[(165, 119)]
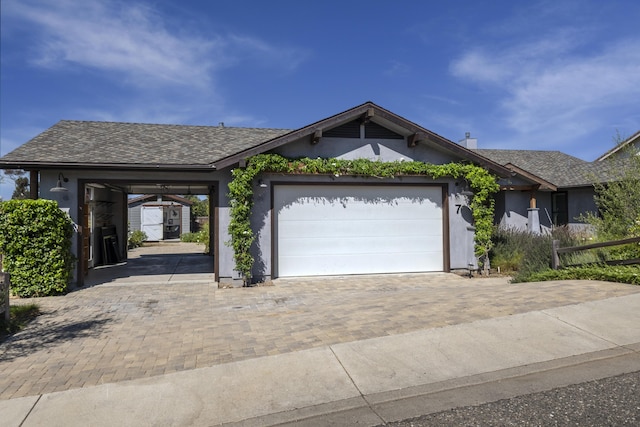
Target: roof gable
[(633, 140), (367, 112)]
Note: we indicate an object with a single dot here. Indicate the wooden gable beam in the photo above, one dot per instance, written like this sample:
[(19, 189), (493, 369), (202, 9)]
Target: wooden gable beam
[(315, 136), (414, 138), (366, 117)]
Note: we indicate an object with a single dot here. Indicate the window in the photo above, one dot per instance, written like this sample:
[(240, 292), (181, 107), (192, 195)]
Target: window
[(559, 208)]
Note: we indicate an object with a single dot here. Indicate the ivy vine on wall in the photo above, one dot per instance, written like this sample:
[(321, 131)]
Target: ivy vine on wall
[(482, 183)]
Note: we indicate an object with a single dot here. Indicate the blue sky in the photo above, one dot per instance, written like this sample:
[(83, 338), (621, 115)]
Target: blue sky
[(548, 75)]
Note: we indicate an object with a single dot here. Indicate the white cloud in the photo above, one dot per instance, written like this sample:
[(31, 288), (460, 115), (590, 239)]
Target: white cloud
[(396, 68), (286, 58), (127, 38), (555, 82), (135, 41)]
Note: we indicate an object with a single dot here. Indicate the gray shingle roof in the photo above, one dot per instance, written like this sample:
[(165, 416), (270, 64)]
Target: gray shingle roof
[(136, 143), (556, 167)]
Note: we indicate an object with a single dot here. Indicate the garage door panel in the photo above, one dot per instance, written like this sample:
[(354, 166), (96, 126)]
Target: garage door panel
[(360, 245), (336, 229), (363, 209), (353, 264), (346, 228)]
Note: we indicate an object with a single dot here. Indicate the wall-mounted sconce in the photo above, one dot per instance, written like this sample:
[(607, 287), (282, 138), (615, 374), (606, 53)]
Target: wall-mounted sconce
[(261, 184), (466, 189), (59, 188)]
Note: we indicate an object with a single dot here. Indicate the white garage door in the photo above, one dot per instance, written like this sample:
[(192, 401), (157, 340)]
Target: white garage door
[(344, 229)]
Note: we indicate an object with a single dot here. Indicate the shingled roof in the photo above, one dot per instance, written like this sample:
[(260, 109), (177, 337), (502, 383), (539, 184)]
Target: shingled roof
[(81, 144), (556, 167), (99, 143)]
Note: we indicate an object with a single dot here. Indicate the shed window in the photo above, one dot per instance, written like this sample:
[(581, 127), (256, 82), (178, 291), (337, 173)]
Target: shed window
[(559, 208)]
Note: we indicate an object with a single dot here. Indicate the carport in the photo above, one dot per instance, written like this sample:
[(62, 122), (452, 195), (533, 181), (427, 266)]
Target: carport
[(162, 263)]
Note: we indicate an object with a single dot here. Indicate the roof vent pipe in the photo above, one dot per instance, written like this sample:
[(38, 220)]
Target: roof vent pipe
[(468, 142)]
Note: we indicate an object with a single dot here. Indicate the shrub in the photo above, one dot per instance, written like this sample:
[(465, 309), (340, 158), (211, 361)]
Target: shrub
[(201, 236), (136, 238), (35, 238), (525, 253), (622, 274)]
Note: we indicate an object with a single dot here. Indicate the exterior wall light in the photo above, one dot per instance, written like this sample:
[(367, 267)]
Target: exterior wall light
[(59, 188), (466, 188), (261, 184)]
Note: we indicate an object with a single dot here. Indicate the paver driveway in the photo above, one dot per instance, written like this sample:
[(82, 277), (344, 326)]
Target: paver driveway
[(114, 332)]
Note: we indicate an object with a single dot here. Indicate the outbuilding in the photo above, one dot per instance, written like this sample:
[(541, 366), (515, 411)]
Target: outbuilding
[(159, 216)]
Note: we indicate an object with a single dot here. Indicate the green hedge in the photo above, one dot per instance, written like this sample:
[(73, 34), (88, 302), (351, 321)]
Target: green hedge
[(35, 239), (621, 274)]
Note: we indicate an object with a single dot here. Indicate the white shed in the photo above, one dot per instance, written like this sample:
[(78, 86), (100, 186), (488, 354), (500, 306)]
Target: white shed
[(161, 217)]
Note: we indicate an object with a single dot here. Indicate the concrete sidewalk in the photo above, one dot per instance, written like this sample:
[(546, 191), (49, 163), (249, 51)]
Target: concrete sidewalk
[(366, 382)]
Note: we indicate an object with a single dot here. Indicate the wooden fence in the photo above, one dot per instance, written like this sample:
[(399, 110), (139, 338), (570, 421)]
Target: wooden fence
[(556, 250)]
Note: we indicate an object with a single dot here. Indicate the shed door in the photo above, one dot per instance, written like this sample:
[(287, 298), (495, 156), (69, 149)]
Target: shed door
[(152, 222), (353, 229)]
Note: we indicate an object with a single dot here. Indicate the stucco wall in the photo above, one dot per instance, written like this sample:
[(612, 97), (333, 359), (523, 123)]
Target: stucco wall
[(372, 149)]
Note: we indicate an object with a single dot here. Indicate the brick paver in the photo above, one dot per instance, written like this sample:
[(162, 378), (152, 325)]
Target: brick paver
[(106, 334)]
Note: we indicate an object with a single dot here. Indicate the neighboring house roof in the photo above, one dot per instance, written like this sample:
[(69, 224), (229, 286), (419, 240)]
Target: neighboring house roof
[(94, 144), (632, 140), (153, 197), (555, 167)]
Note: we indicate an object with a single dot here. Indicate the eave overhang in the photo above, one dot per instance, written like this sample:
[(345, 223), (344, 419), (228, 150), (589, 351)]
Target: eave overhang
[(540, 183), (104, 166)]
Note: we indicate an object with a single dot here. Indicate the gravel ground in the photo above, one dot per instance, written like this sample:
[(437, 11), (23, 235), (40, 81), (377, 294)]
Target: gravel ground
[(611, 401)]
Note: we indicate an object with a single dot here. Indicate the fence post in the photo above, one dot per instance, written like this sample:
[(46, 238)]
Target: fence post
[(4, 296), (555, 259)]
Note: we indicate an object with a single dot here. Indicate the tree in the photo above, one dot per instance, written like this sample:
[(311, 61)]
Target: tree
[(200, 207), (22, 188), (618, 201)]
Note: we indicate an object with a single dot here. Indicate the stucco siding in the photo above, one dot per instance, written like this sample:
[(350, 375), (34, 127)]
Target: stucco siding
[(385, 150)]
